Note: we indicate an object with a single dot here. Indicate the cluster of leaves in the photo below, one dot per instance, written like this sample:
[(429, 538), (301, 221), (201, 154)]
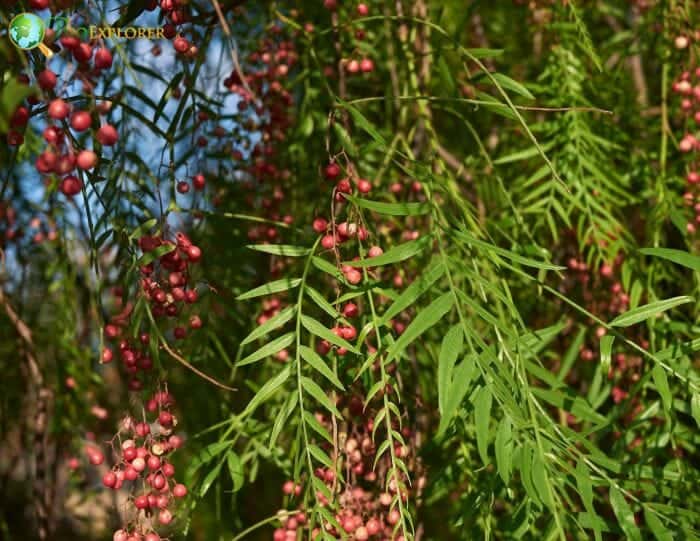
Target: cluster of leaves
[(522, 348)]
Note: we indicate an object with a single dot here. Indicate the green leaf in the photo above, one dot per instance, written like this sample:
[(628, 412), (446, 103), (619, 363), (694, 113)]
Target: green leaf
[(320, 456), (485, 53), (516, 258), (542, 483), (209, 479), (321, 302), (13, 93), (318, 364), (281, 418), (317, 329), (420, 285), (311, 387), (268, 349), (345, 139), (276, 286), (235, 469), (624, 514), (284, 250), (511, 84), (646, 311), (695, 407), (450, 349), (143, 228), (394, 255), (606, 344), (271, 324), (656, 526), (310, 419), (391, 209), (661, 381), (425, 319), (151, 256), (267, 390), (676, 256), (482, 416), (362, 123), (504, 449)]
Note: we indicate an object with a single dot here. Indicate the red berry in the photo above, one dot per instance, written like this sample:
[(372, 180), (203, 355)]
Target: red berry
[(58, 109), (320, 225), (109, 479), (198, 182), (103, 59), (328, 242), (96, 457), (70, 186), (194, 253), (183, 187), (141, 502), (80, 120), (20, 117), (332, 171), (181, 44), (362, 10), (107, 135), (69, 42), (364, 186), (86, 159), (165, 517), (179, 490), (165, 418), (82, 52), (366, 65), (195, 322)]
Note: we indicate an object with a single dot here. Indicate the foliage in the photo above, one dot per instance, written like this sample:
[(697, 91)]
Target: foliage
[(395, 270)]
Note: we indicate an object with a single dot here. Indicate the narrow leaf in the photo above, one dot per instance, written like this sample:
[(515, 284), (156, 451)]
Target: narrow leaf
[(311, 387), (676, 256), (268, 349), (646, 311), (482, 416), (318, 364), (267, 390), (394, 255), (450, 349), (317, 329), (280, 249), (391, 209), (276, 286), (271, 324), (624, 514), (423, 321)]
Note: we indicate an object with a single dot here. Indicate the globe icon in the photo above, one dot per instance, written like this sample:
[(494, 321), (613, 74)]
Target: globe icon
[(27, 30)]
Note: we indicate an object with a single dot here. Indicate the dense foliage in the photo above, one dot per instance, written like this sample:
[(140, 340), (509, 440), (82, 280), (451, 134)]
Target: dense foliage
[(397, 270)]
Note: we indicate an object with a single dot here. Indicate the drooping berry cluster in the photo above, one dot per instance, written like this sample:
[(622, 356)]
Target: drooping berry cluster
[(142, 451), (168, 286), (364, 506)]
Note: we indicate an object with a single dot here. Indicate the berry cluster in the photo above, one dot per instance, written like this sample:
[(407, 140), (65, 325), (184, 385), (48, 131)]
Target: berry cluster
[(142, 454), (167, 284), (364, 506)]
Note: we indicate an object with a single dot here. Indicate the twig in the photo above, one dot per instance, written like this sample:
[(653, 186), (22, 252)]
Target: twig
[(234, 49), (179, 358)]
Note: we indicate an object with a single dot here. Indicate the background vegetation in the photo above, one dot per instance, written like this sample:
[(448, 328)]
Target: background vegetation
[(394, 269)]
